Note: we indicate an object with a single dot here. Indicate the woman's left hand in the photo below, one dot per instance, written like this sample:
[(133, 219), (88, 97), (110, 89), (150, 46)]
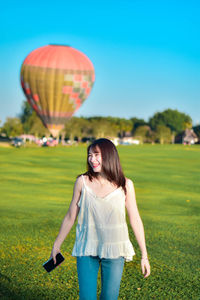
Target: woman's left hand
[(145, 267)]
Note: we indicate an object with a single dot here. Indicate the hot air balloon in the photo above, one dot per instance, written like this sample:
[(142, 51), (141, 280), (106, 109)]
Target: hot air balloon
[(56, 80)]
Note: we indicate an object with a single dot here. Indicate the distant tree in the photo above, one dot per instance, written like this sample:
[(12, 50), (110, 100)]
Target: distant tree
[(36, 126), (163, 134), (71, 128), (173, 119), (77, 128), (103, 127), (150, 136), (124, 126), (136, 123), (12, 127), (31, 123), (26, 112), (142, 133), (187, 125), (86, 130)]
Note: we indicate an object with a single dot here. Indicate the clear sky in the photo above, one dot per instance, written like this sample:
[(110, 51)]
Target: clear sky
[(146, 53)]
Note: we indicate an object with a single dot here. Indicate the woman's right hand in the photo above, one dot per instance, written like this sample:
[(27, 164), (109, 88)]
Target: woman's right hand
[(54, 252)]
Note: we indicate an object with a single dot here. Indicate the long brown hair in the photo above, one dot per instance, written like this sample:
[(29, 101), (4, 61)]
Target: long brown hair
[(111, 167)]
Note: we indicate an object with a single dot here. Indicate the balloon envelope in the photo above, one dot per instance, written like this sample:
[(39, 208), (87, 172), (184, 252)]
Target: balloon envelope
[(56, 80)]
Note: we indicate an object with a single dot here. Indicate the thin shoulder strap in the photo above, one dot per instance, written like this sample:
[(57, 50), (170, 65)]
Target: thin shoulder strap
[(83, 179)]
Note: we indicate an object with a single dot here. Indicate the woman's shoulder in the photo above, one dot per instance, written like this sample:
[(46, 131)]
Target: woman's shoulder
[(129, 183), (81, 179), (79, 182)]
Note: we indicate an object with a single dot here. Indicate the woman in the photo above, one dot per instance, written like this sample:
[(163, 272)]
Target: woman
[(99, 200)]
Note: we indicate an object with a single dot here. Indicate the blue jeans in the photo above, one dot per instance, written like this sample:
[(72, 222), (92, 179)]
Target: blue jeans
[(111, 273)]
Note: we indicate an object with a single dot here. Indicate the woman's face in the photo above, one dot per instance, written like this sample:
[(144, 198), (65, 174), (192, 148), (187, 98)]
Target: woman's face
[(95, 159)]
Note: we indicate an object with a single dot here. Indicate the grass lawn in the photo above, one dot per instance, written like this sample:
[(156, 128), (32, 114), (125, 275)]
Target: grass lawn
[(36, 189)]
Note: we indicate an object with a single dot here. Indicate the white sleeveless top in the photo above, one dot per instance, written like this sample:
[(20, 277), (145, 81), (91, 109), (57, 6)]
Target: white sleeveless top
[(102, 229)]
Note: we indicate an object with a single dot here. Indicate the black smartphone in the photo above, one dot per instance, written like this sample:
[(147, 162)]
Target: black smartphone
[(49, 264)]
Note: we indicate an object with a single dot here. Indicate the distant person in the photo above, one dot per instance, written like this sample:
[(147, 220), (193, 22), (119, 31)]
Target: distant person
[(99, 200)]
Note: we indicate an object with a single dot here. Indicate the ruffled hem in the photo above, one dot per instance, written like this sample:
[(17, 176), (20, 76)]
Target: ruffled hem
[(109, 250)]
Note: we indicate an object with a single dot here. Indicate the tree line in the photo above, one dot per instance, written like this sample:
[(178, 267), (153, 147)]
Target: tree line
[(162, 127)]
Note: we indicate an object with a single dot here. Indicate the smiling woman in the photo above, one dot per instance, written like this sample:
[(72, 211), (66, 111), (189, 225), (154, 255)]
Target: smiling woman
[(94, 159), (103, 159), (99, 200)]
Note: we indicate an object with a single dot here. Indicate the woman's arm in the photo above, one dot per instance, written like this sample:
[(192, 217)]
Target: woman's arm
[(69, 218), (136, 223)]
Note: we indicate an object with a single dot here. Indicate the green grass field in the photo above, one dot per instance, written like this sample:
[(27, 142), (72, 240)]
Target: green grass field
[(35, 191)]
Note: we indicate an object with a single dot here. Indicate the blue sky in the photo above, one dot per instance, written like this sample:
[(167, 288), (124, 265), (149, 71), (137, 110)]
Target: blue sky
[(146, 54)]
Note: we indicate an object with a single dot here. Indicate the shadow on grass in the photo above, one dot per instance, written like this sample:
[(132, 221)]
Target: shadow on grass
[(12, 291)]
